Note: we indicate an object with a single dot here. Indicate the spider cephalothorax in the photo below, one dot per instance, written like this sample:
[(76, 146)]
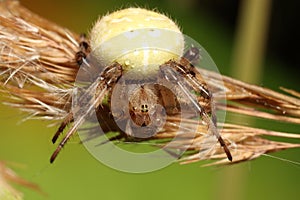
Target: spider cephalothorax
[(147, 103)]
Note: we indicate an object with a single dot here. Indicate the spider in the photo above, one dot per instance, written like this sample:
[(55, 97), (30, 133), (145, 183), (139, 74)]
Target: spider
[(149, 102)]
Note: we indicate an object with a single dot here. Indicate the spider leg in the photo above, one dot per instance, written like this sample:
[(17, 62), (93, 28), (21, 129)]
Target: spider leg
[(99, 88), (84, 49), (171, 70), (68, 119), (192, 55)]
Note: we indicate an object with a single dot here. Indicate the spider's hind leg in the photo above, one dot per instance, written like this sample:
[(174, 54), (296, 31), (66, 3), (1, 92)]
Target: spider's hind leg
[(84, 49), (192, 55)]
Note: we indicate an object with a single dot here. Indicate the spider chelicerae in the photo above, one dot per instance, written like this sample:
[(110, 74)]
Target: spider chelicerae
[(149, 102)]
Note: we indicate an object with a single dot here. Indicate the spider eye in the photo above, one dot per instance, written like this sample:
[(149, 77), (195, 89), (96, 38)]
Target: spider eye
[(144, 108)]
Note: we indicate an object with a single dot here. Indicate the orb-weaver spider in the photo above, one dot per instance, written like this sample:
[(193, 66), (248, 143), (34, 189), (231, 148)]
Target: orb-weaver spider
[(147, 100)]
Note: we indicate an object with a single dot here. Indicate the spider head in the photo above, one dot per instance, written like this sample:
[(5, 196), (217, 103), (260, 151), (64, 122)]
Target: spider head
[(144, 107), (140, 115)]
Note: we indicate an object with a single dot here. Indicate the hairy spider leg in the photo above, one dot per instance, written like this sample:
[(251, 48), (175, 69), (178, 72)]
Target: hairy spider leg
[(192, 55), (190, 59), (84, 49), (68, 119), (170, 70), (100, 88), (187, 69)]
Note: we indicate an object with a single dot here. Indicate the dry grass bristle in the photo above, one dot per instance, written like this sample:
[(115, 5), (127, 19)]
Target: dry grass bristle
[(37, 64), (8, 176)]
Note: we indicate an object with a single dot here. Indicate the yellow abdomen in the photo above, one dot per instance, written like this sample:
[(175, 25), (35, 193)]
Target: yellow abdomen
[(139, 39)]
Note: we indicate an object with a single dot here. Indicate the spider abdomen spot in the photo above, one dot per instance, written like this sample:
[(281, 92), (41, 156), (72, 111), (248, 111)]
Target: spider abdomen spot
[(139, 39)]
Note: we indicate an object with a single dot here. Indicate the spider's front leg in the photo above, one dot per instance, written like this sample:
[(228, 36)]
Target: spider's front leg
[(67, 120), (86, 104), (190, 75), (84, 50)]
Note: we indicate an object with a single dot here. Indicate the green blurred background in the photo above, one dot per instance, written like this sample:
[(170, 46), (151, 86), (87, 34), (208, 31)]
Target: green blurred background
[(77, 175)]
